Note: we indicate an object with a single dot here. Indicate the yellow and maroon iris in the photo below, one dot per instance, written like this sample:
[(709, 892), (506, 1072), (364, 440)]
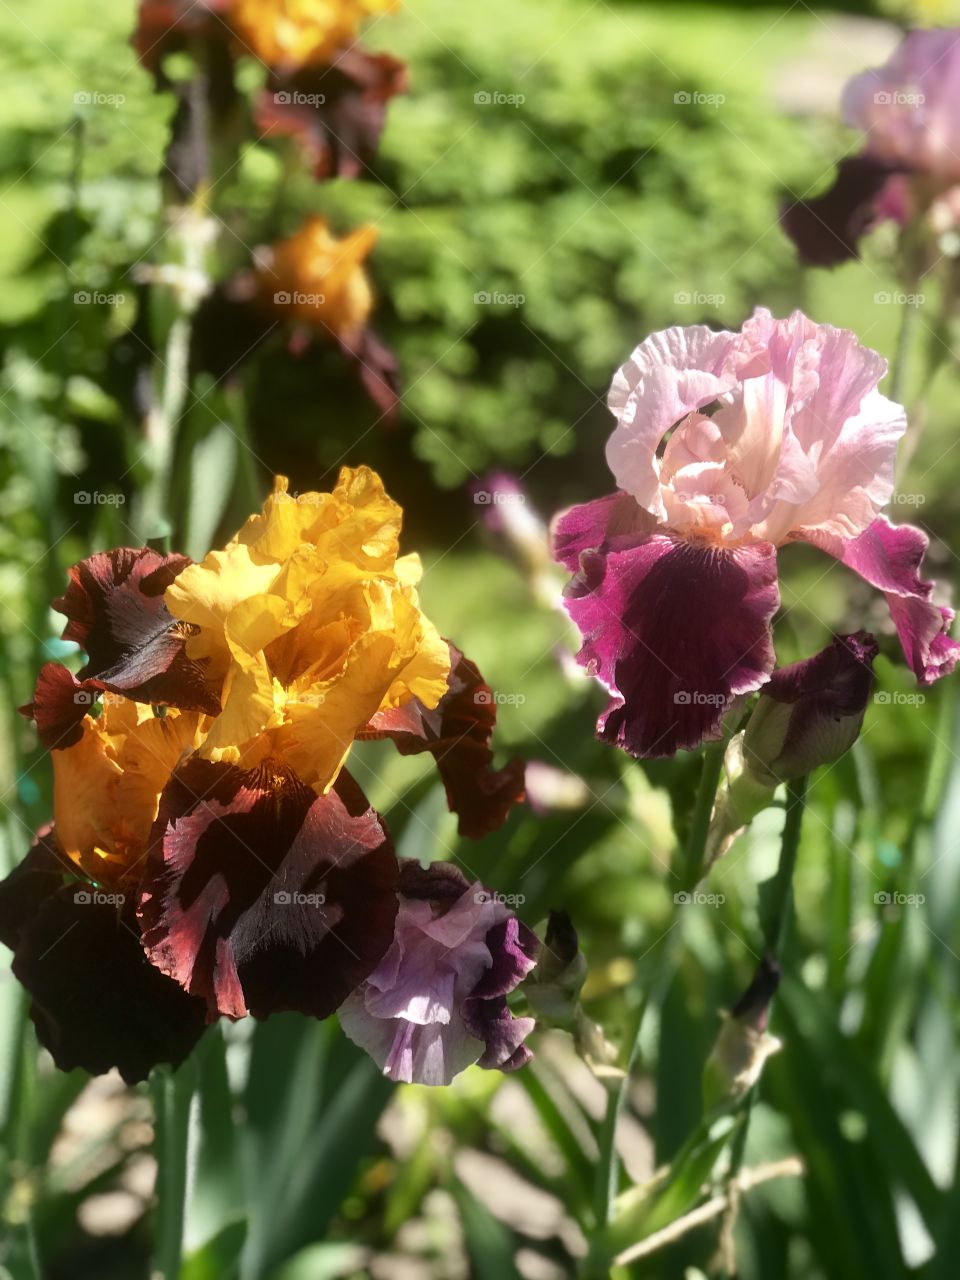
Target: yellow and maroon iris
[(298, 33), (210, 851), (318, 280)]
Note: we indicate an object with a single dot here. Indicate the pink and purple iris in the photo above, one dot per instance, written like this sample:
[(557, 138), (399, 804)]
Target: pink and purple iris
[(909, 165), (727, 447)]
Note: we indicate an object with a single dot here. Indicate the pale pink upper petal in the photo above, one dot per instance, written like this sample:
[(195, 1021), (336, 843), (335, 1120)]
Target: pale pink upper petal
[(908, 108), (855, 477), (669, 375), (798, 436)]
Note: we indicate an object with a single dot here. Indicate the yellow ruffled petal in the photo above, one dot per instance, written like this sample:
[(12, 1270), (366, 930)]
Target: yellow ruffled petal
[(321, 720), (106, 788), (150, 755), (312, 617), (250, 705), (84, 786), (426, 674), (206, 594)]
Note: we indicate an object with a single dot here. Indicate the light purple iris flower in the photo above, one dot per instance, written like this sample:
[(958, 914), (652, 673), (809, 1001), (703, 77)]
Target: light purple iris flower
[(727, 447), (436, 1003)]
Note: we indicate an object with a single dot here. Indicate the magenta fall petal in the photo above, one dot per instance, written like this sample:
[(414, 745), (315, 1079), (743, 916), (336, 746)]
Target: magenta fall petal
[(889, 558), (675, 630)]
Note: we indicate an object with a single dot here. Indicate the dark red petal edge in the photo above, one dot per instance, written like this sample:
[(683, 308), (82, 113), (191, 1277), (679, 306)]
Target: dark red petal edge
[(457, 733), (135, 647), (96, 1001), (335, 112), (827, 229), (260, 896), (487, 1015)]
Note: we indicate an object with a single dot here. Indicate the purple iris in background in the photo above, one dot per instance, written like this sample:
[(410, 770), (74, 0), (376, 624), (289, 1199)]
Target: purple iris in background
[(909, 165)]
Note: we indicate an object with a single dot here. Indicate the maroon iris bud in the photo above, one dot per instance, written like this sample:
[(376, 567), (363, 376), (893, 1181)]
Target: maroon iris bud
[(808, 715), (811, 713)]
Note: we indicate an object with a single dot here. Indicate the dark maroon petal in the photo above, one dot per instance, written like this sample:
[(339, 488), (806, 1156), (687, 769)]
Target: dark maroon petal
[(97, 1002), (675, 631), (753, 1006), (335, 112), (828, 695), (503, 1035), (486, 1014), (377, 367), (164, 26), (60, 702), (889, 557), (457, 732), (827, 229), (595, 524), (116, 613), (30, 884), (261, 896), (438, 882), (514, 949)]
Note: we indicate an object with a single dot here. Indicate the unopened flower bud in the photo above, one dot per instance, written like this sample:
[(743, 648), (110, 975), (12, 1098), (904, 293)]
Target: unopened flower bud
[(553, 991), (808, 715), (744, 1044)]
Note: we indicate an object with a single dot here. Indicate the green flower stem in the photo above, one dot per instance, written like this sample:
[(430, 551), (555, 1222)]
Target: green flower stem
[(691, 864), (776, 917), (909, 325), (775, 926), (687, 870), (173, 379), (173, 1093)]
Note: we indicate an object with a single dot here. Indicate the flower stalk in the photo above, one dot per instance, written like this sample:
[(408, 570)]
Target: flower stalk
[(173, 1094), (775, 924), (689, 863)]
